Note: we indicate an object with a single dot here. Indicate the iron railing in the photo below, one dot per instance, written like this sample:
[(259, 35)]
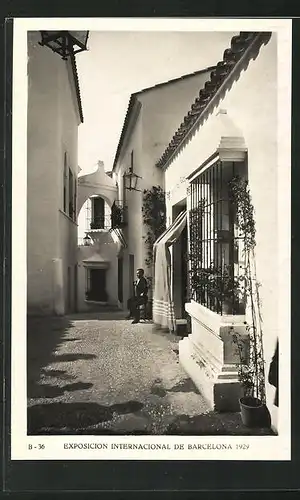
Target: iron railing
[(214, 247), (116, 219), (118, 215), (100, 222)]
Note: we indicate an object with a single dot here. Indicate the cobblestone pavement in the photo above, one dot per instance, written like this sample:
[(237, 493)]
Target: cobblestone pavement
[(92, 376)]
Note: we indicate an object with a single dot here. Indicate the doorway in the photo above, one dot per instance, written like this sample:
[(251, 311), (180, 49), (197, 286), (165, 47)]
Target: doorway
[(97, 285), (120, 280), (69, 291), (180, 267), (75, 288), (131, 274)]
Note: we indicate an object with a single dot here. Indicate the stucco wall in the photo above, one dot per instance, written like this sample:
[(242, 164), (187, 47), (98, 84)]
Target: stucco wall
[(68, 253), (163, 110), (52, 129), (252, 105)]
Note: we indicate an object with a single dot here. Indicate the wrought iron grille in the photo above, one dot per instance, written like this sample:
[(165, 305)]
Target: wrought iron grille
[(95, 215), (215, 250), (100, 222), (118, 215), (116, 219)]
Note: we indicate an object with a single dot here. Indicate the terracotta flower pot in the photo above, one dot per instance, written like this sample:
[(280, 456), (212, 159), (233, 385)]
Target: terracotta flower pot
[(254, 413)]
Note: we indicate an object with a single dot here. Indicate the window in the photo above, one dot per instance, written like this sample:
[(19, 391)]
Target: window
[(65, 183), (71, 194), (75, 198), (131, 161), (98, 218), (215, 253), (69, 190)]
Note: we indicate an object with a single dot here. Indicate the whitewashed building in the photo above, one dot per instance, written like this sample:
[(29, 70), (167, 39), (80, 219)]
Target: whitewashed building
[(153, 114), (100, 242), (229, 130), (54, 114)]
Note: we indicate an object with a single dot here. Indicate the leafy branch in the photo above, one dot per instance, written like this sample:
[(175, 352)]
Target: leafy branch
[(154, 218)]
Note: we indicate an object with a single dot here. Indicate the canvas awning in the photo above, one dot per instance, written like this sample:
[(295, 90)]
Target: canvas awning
[(163, 307)]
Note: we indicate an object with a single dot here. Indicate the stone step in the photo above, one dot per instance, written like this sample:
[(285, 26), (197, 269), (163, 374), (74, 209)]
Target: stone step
[(181, 327)]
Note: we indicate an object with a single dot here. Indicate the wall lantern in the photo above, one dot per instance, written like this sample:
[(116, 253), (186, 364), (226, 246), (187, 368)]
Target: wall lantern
[(131, 180), (65, 43), (87, 240)]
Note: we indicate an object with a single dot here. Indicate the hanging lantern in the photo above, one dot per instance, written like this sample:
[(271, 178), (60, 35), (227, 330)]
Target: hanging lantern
[(131, 180), (87, 240), (65, 43)]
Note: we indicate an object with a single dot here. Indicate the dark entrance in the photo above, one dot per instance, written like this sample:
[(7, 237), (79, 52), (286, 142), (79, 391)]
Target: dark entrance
[(69, 303), (184, 270), (120, 279), (75, 288), (180, 267), (97, 285), (131, 274)]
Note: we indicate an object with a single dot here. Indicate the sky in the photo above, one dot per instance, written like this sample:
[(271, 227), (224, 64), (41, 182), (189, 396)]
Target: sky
[(118, 64)]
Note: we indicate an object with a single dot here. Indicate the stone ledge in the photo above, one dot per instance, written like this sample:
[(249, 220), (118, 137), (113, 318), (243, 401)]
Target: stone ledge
[(210, 319), (221, 394)]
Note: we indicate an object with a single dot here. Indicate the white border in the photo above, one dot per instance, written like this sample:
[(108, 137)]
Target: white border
[(243, 447)]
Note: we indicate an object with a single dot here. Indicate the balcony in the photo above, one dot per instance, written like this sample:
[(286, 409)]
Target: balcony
[(100, 222), (118, 215), (116, 220)]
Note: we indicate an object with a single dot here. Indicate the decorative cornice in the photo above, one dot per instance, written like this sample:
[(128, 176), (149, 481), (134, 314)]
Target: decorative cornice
[(244, 47)]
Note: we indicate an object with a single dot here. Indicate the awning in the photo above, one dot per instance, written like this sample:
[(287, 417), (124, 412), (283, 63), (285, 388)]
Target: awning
[(119, 238), (163, 307)]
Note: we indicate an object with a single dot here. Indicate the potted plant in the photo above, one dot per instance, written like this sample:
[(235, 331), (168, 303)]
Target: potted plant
[(218, 289), (254, 412), (251, 366)]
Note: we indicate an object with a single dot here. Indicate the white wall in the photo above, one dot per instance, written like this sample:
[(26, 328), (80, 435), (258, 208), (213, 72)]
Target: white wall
[(52, 128), (252, 105), (163, 110)]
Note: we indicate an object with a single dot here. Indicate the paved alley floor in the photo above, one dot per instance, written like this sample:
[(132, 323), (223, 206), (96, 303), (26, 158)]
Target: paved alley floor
[(101, 376)]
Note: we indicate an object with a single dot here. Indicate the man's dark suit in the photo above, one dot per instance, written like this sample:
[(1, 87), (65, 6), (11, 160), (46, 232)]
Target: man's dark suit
[(140, 297)]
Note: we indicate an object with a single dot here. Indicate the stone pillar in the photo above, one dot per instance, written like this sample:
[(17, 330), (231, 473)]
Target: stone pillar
[(58, 287), (210, 357)]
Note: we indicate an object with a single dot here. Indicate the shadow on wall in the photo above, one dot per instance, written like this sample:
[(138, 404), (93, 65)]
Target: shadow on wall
[(44, 336)]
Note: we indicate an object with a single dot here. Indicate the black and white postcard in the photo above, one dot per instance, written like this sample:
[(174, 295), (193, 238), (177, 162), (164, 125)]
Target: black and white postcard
[(151, 239)]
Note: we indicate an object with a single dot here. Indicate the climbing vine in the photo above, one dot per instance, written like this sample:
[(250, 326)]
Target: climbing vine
[(212, 286), (240, 198), (154, 218), (251, 370)]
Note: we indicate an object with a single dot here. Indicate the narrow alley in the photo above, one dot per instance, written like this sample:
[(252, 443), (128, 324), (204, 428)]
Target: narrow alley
[(106, 376)]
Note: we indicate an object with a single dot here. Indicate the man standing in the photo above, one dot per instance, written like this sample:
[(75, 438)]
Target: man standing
[(140, 296)]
